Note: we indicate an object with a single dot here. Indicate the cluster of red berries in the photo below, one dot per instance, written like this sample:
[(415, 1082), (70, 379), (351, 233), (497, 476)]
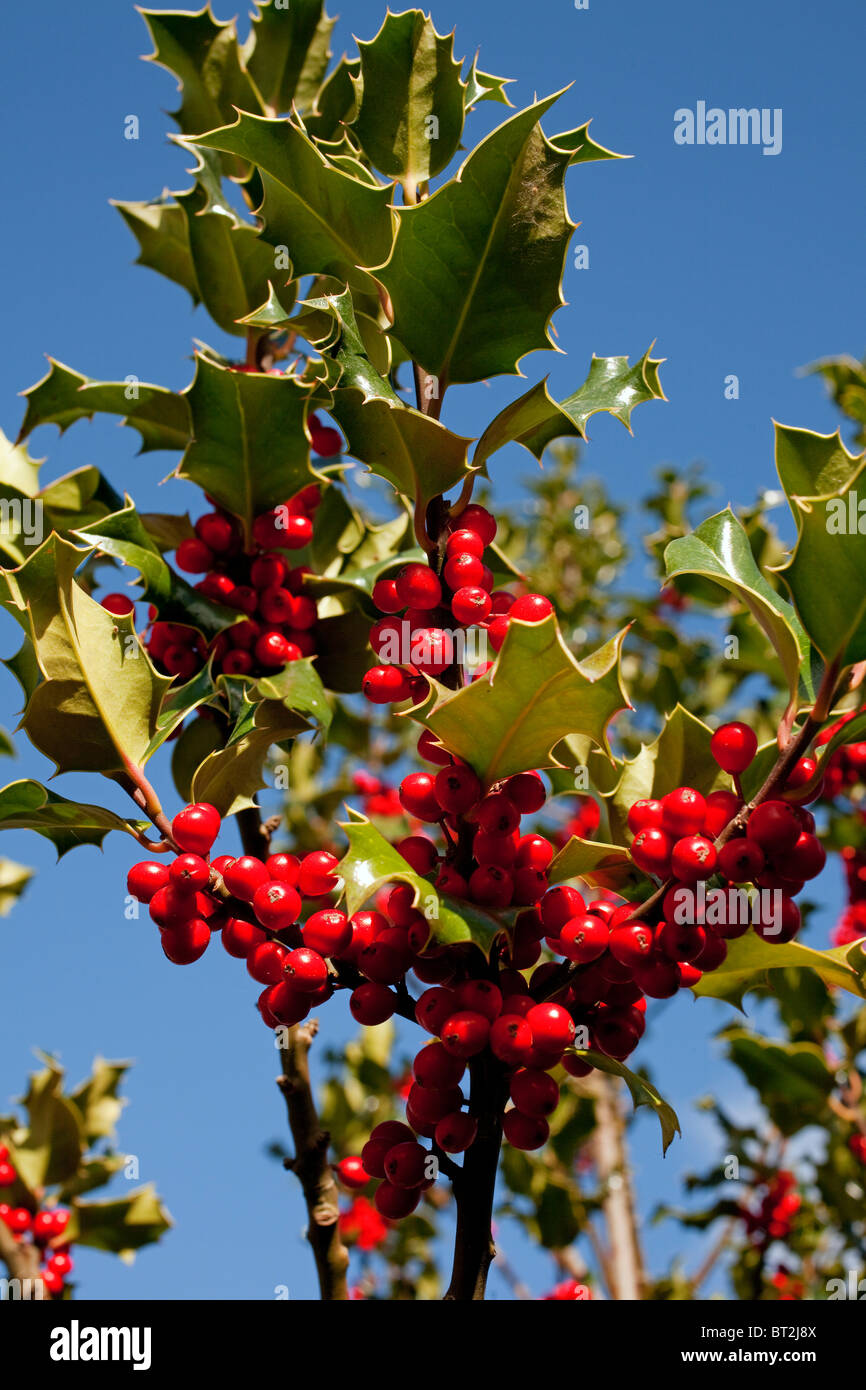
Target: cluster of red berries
[(44, 1228), (851, 925), (380, 800), (424, 610), (583, 823), (788, 1287), (846, 766), (776, 849), (360, 1223), (774, 1217)]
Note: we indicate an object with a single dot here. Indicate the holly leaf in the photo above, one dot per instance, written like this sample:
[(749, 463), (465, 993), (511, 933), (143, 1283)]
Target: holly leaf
[(416, 454), (371, 862), (680, 756), (335, 102), (474, 274), (719, 550), (120, 1225), (832, 545), (14, 878), (642, 1093), (845, 378), (511, 718), (205, 58), (535, 419), (250, 450), (792, 1079), (484, 86), (230, 776), (287, 52), (233, 265), (97, 1101), (179, 704), (605, 866), (96, 707), (50, 1147), (64, 396), (813, 465), (124, 536), (329, 222), (751, 963), (298, 687), (27, 805), (411, 106), (582, 147), (160, 228)]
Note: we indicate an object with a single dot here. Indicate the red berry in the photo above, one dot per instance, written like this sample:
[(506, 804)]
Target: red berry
[(386, 597), (405, 1164), (326, 441), (434, 1008), (186, 943), (465, 1033), (470, 605), (774, 826), (316, 876), (559, 906), (645, 815), (497, 630), (419, 852), (492, 886), (118, 604), (683, 812), (196, 827), (511, 1039), (352, 1173), (722, 806), (144, 879), (456, 1132), (329, 932), (464, 542), (531, 608), (396, 1202), (284, 868), (552, 1026), (804, 861), (457, 788), (273, 649), (498, 815), (371, 1004), (778, 924), (534, 1092), (693, 858), (661, 979), (680, 941), (734, 746), (386, 685), (265, 962), (418, 796), (435, 1067), (239, 937), (651, 851), (277, 905), (479, 520), (216, 532), (740, 860), (584, 939), (525, 1131), (268, 571), (480, 996), (418, 587), (631, 944), (534, 852), (190, 873), (245, 876)]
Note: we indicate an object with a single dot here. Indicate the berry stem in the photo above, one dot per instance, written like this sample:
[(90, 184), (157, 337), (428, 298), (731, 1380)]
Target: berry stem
[(310, 1164), (22, 1262), (473, 1244)]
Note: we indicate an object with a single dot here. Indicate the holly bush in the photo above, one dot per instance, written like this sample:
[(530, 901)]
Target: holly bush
[(560, 806)]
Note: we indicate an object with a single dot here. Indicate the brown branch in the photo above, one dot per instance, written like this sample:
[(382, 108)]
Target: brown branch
[(626, 1274), (22, 1261), (704, 1270), (310, 1164), (473, 1245)]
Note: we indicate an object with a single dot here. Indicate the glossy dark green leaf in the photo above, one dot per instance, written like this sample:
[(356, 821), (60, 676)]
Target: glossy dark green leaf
[(63, 396), (287, 52), (27, 805)]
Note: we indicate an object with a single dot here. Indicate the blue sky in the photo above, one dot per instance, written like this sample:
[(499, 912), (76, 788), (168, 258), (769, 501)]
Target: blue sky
[(733, 261)]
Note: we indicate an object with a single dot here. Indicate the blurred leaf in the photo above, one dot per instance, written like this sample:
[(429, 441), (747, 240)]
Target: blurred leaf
[(14, 878), (793, 1080), (120, 1225), (50, 1149)]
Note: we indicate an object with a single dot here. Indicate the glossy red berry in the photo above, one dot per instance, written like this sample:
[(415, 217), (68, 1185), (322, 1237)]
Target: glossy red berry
[(558, 906), (534, 1092), (386, 685), (457, 788), (329, 932), (464, 542), (492, 886), (316, 875), (394, 1203), (552, 1027), (531, 608), (511, 1039), (189, 873), (277, 905), (740, 860), (419, 798), (525, 1131), (352, 1173), (774, 826), (456, 1132), (683, 812), (265, 962), (436, 1067), (479, 520), (240, 937), (631, 944), (734, 746), (498, 815), (471, 604), (371, 1004), (118, 604), (527, 791), (245, 876), (186, 943), (418, 587), (405, 1164), (651, 851), (434, 1007), (144, 879), (480, 996), (216, 532), (722, 806), (465, 1033), (386, 597), (196, 827), (584, 939), (693, 858), (804, 861), (273, 649), (644, 815)]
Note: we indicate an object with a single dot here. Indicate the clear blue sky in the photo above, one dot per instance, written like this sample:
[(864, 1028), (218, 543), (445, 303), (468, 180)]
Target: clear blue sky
[(735, 262)]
